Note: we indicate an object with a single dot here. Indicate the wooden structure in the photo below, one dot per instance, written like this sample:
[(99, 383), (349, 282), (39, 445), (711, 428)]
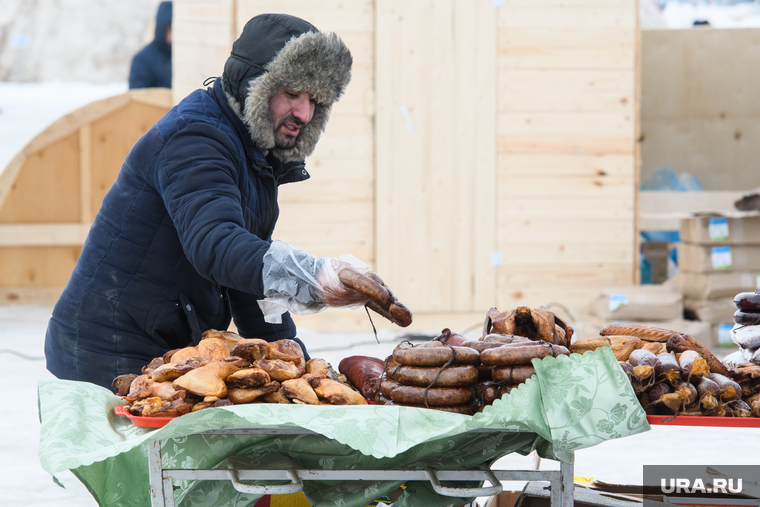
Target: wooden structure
[(51, 190), (699, 111), (484, 153)]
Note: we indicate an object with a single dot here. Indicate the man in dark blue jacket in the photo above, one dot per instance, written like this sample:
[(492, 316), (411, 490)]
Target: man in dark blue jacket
[(182, 242), (152, 66)]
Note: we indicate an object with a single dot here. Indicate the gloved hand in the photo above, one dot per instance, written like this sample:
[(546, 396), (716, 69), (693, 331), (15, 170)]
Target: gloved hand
[(296, 281), (303, 284)]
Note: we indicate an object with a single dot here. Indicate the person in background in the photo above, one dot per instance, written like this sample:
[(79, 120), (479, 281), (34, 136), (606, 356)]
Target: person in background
[(152, 66), (182, 242)]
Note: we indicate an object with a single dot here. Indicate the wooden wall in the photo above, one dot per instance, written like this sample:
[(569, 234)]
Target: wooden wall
[(699, 110), (483, 155), (51, 190), (566, 149)]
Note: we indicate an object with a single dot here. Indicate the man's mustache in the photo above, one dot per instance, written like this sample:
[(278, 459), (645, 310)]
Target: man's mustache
[(291, 119)]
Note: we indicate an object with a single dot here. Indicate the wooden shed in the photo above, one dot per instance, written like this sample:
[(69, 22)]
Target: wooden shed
[(51, 190), (484, 153)]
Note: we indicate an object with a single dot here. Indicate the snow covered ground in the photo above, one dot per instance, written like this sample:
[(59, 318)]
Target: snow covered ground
[(24, 483)]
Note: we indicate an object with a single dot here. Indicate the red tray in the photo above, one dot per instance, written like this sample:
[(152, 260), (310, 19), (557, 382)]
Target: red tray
[(695, 420), (146, 422)]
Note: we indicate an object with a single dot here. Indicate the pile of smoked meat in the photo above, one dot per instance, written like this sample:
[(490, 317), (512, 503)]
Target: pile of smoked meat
[(225, 369), (448, 373), (673, 374), (454, 374)]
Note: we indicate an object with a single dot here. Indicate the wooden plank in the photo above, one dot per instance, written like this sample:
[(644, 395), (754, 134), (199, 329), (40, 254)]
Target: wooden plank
[(563, 276), (567, 252), (43, 234), (554, 90), (483, 194), (566, 48), (570, 16), (527, 230), (564, 164), (566, 132), (432, 258), (37, 266), (542, 188), (569, 208), (85, 175), (47, 187)]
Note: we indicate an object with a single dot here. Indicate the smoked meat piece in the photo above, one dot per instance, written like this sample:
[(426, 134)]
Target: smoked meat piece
[(433, 354), (512, 374), (683, 342), (648, 333), (436, 396), (514, 354), (363, 372), (451, 376)]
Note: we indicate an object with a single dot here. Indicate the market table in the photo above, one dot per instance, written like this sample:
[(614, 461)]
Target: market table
[(571, 403)]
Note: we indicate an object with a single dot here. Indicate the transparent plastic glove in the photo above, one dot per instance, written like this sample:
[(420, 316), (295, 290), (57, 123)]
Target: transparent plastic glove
[(298, 282)]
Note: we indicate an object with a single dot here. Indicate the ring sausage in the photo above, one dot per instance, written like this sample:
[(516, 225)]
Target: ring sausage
[(436, 396), (517, 354), (433, 354)]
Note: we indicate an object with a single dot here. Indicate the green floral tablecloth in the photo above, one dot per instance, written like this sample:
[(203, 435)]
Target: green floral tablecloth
[(572, 402)]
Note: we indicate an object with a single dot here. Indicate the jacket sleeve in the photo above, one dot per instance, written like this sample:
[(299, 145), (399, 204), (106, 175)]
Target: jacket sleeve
[(197, 177), (250, 322)]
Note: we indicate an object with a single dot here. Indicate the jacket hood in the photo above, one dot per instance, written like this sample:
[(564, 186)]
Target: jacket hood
[(163, 19), (277, 50)]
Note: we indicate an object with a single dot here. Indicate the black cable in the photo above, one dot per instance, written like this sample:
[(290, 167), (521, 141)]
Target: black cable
[(22, 356)]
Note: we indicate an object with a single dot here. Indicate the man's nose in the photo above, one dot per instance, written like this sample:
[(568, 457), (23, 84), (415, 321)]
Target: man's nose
[(302, 109)]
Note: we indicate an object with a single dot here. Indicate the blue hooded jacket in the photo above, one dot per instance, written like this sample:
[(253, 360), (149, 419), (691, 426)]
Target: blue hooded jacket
[(152, 65), (177, 246)]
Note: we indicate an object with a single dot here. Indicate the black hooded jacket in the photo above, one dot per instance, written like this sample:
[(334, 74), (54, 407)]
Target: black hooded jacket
[(152, 66)]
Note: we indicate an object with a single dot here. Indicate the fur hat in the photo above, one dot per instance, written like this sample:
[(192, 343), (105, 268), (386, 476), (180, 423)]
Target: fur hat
[(275, 51)]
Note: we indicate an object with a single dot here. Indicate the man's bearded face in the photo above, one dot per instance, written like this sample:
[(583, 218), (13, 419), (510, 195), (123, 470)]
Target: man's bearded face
[(290, 110)]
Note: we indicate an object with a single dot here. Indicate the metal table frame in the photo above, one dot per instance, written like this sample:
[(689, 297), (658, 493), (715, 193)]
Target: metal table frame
[(162, 480)]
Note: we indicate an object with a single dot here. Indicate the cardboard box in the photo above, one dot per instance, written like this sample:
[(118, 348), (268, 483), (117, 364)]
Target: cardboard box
[(737, 229), (709, 258), (639, 302), (717, 284), (714, 311)]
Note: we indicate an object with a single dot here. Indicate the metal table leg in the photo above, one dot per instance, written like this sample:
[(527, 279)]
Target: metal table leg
[(155, 474)]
